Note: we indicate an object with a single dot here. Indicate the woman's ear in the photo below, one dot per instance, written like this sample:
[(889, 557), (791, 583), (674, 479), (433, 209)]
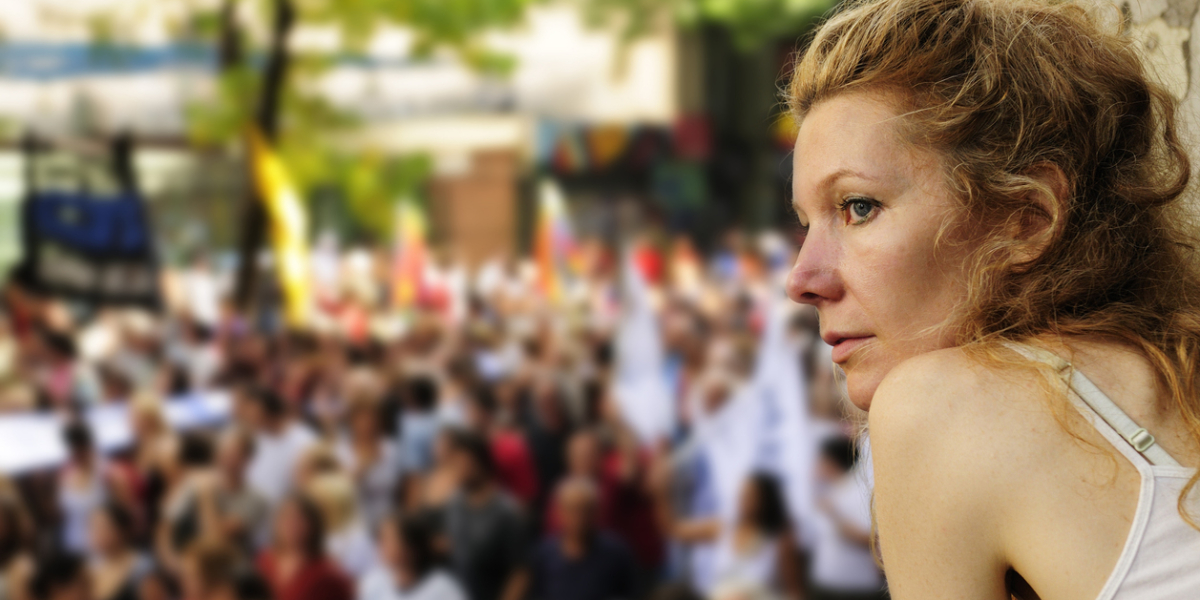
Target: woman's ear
[(1039, 220)]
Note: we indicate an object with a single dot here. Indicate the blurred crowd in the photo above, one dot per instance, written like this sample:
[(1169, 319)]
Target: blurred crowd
[(465, 447)]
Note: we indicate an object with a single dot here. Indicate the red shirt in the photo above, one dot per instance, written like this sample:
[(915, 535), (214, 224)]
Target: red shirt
[(317, 580), (514, 466)]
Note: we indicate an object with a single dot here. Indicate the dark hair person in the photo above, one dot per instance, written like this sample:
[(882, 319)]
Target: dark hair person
[(755, 553), (296, 566), (409, 569), (999, 244)]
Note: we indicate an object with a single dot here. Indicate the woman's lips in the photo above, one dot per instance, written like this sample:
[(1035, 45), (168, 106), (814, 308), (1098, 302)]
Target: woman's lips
[(844, 347)]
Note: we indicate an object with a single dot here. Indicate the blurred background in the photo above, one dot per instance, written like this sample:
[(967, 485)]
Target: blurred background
[(421, 300)]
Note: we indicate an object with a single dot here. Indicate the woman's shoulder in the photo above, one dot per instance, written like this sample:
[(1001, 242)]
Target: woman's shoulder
[(966, 414)]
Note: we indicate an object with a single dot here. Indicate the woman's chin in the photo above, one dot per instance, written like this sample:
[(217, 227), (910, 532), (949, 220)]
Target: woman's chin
[(860, 388)]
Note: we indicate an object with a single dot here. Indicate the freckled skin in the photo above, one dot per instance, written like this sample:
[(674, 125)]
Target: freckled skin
[(879, 276)]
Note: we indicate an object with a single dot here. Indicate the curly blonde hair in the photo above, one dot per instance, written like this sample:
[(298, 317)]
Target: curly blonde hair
[(1003, 90)]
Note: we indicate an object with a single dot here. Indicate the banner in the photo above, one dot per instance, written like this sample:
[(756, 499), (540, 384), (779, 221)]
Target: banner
[(289, 230), (33, 441), (94, 247)]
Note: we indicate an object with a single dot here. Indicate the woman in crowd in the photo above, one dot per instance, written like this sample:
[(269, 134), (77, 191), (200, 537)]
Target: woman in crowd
[(296, 566), (408, 569), (373, 460), (153, 445), (843, 566), (347, 539), (85, 484), (755, 554), (999, 244), (116, 565)]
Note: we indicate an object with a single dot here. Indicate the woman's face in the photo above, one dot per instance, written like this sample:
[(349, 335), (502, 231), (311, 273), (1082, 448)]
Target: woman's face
[(874, 207)]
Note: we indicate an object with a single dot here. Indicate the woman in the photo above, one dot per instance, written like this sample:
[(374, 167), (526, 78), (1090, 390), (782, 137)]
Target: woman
[(116, 567), (296, 567), (409, 570), (85, 483), (994, 200), (347, 539), (754, 555), (154, 444), (372, 459), (843, 566)]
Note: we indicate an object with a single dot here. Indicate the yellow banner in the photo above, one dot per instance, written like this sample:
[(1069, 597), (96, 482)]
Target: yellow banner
[(289, 230)]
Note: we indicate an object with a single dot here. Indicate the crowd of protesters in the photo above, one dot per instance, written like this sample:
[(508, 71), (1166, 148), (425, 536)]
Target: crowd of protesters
[(467, 449)]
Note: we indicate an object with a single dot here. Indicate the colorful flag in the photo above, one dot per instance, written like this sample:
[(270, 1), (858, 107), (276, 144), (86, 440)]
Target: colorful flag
[(555, 248), (408, 268), (289, 229)]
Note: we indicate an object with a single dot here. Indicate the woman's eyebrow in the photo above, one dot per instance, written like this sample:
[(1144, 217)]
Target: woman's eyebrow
[(839, 174)]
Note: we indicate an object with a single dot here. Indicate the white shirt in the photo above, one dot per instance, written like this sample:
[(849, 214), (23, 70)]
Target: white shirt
[(274, 464), (353, 549), (840, 564), (379, 585)]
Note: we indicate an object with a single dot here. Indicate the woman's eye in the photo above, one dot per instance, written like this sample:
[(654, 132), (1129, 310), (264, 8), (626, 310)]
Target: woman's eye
[(858, 209)]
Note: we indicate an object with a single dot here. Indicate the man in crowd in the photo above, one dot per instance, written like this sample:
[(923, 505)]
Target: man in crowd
[(485, 530), (581, 562)]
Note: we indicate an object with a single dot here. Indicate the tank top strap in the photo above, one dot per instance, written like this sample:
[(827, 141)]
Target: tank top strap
[(1132, 440)]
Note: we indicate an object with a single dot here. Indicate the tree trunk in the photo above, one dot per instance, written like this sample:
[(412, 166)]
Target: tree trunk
[(254, 213)]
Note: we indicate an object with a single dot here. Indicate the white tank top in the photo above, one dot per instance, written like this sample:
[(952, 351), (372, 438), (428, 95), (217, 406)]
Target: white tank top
[(1161, 558)]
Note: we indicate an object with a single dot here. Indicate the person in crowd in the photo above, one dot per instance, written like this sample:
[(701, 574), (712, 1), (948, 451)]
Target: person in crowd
[(547, 431), (757, 553), (227, 505), (419, 424), (279, 442), (373, 460), (347, 538), (85, 483), (843, 566), (484, 526), (408, 569), (513, 463), (186, 475), (431, 490), (626, 506), (215, 570), (116, 566), (296, 565), (16, 561), (158, 584), (209, 571), (61, 576), (580, 562), (153, 444)]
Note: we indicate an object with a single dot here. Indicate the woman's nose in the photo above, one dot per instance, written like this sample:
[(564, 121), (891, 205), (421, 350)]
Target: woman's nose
[(814, 278)]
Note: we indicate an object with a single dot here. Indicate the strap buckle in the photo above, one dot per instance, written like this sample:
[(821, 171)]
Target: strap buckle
[(1141, 440)]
